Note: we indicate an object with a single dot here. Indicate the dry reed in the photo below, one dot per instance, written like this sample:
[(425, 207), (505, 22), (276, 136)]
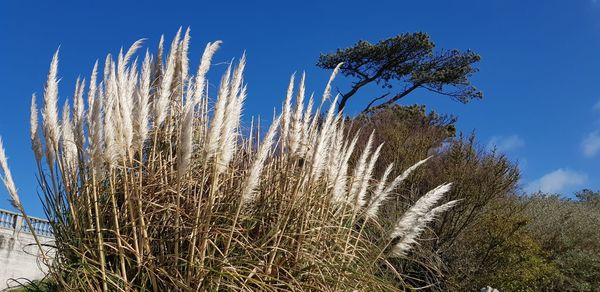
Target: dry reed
[(147, 189)]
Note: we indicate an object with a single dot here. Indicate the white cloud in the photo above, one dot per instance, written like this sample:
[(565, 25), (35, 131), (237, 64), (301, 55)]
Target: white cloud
[(505, 143), (557, 181), (596, 106), (591, 144)]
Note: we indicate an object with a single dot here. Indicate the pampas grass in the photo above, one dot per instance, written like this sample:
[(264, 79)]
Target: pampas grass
[(154, 191), (50, 112)]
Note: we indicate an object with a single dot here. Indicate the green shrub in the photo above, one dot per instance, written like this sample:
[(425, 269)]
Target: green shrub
[(499, 252), (482, 181), (567, 230), (492, 237)]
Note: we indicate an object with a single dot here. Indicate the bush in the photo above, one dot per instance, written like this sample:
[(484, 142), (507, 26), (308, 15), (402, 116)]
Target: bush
[(482, 183), (493, 236), (568, 232), (499, 252)]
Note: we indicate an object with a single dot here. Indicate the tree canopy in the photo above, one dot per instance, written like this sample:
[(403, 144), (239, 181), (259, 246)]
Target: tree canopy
[(406, 61)]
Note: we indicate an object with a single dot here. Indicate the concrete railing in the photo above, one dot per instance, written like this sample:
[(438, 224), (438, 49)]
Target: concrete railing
[(19, 255), (14, 221)]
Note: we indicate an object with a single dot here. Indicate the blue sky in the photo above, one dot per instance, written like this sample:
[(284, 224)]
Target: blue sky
[(540, 68)]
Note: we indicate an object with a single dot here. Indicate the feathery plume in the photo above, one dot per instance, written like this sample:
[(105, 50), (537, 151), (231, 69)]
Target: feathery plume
[(377, 198), (323, 142), (216, 124), (92, 91), (327, 91), (8, 180), (95, 131), (185, 62), (305, 138), (296, 122), (160, 52), (200, 82), (399, 179), (359, 170), (410, 239), (157, 69), (142, 105), (126, 118), (184, 153), (257, 167), (36, 143), (286, 113), (125, 80), (50, 111), (162, 103), (233, 112), (418, 210), (339, 187), (111, 123), (78, 114), (68, 146), (107, 67), (132, 49), (366, 177), (333, 154)]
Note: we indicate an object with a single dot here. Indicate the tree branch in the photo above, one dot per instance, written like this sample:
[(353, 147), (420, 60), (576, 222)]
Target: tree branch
[(373, 101), (398, 96), (368, 80), (354, 89)]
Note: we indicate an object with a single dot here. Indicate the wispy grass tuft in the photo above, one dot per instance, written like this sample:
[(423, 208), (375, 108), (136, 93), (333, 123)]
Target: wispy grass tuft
[(147, 188)]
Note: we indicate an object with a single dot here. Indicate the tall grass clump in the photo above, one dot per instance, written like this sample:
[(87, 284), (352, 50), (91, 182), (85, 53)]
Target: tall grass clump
[(149, 184)]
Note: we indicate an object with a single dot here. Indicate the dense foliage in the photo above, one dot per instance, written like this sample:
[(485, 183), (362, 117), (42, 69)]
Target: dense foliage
[(408, 62), (568, 232), (494, 236)]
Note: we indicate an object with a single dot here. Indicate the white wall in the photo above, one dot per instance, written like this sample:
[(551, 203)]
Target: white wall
[(19, 257)]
